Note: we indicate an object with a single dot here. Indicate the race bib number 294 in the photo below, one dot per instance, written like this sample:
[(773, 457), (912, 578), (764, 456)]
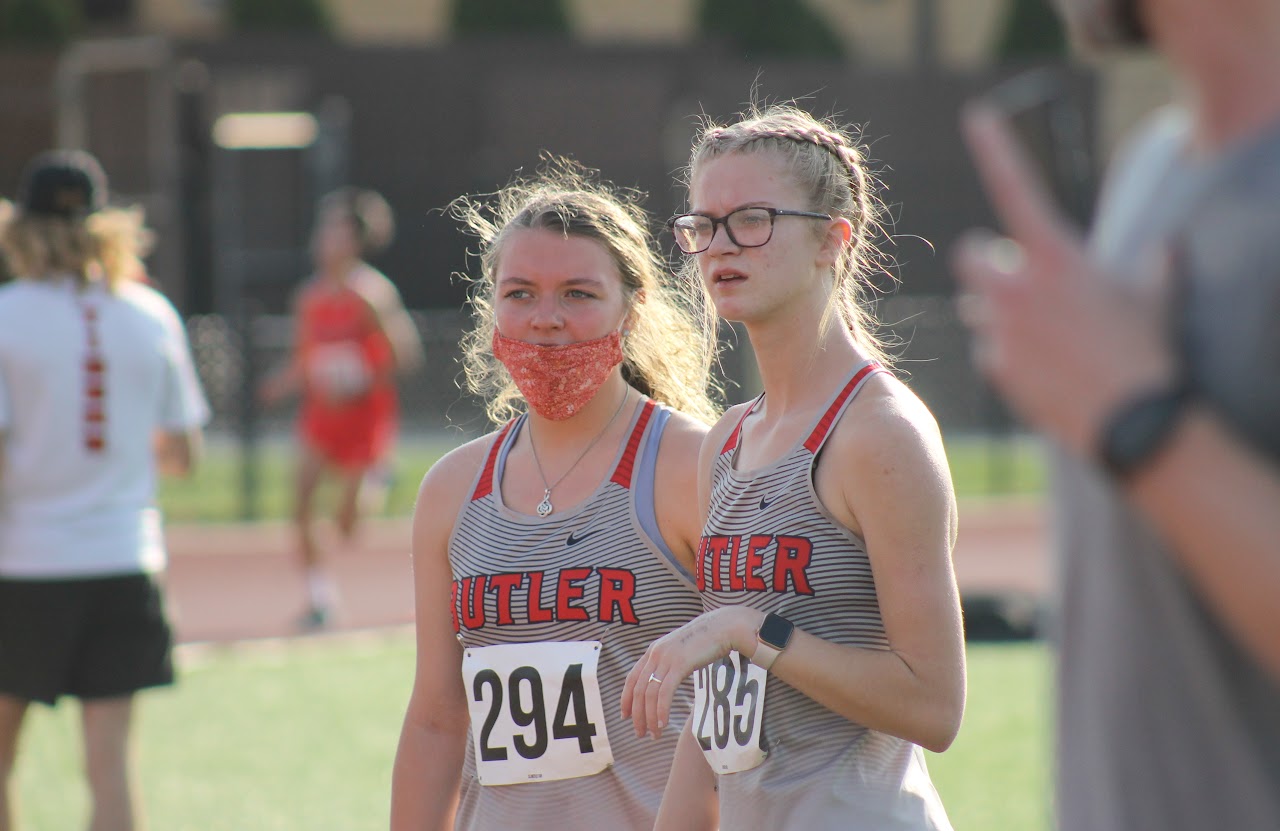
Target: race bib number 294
[(536, 713), (728, 711)]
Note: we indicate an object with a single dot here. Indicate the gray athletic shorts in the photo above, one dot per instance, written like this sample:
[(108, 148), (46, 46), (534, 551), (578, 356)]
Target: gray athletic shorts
[(99, 637)]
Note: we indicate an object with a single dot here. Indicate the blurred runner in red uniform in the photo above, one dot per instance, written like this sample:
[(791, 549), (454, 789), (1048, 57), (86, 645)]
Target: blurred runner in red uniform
[(352, 337)]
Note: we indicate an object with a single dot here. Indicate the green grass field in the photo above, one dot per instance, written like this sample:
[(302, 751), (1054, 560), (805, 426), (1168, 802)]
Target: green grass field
[(979, 467), (301, 737)]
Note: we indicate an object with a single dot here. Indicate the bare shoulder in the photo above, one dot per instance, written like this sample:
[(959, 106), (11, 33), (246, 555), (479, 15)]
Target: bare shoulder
[(886, 419), (885, 459), (308, 287), (682, 437), (722, 429), (374, 287), (305, 292), (455, 470), (445, 488), (365, 276)]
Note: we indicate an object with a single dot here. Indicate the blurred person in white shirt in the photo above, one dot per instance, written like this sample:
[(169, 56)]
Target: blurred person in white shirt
[(98, 394)]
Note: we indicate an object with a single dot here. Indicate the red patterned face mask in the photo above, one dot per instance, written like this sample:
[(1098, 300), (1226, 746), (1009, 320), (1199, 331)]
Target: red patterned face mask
[(558, 381)]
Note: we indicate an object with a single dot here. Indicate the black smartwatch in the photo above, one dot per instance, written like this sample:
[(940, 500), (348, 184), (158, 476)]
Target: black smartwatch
[(771, 638), (1133, 434)]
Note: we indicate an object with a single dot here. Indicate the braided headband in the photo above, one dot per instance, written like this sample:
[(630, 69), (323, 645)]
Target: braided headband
[(832, 142)]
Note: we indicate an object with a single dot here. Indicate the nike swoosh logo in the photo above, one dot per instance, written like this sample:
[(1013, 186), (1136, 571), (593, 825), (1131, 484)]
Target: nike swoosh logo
[(765, 503), (575, 540)]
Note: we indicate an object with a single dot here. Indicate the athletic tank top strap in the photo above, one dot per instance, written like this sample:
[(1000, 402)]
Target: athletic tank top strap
[(484, 486), (646, 487), (626, 465), (496, 461), (819, 435), (732, 442)]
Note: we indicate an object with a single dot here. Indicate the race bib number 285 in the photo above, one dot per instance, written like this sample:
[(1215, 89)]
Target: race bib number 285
[(728, 711), (536, 713)]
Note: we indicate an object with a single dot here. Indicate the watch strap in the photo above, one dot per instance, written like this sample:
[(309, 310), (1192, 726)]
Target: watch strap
[(1137, 429), (765, 655)]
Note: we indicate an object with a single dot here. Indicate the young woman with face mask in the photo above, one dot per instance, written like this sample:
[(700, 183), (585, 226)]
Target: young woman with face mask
[(831, 648), (548, 554)]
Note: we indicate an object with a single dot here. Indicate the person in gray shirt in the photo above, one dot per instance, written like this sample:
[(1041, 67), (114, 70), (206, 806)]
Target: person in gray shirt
[(1150, 356)]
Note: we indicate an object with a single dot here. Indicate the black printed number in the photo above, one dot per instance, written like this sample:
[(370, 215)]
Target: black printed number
[(527, 708), (573, 695), (535, 715), (716, 681), (487, 677)]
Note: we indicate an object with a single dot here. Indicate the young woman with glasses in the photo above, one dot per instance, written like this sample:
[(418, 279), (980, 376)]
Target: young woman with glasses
[(831, 649), (550, 553)]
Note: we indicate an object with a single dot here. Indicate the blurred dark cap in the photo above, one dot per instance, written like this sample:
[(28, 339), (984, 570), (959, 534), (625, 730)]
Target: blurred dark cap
[(64, 183)]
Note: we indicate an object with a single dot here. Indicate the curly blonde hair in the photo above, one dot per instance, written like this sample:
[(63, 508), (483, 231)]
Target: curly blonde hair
[(106, 245), (669, 349), (830, 164)]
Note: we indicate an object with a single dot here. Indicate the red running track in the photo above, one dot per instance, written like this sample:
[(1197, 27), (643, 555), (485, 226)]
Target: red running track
[(239, 582)]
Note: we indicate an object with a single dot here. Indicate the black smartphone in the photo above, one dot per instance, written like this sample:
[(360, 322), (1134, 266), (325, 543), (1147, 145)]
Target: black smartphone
[(1052, 128)]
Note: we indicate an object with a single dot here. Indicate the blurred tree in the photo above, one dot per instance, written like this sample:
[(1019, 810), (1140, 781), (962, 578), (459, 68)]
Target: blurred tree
[(278, 15), (39, 22), (770, 28), (475, 17), (1032, 30)]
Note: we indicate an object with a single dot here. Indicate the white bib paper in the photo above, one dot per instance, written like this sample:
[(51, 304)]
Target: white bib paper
[(728, 711), (536, 713), (339, 369)]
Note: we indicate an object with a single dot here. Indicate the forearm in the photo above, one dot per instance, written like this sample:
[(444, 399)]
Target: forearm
[(1217, 503), (178, 452), (401, 334), (916, 694), (689, 802), (406, 348), (917, 700), (425, 779)]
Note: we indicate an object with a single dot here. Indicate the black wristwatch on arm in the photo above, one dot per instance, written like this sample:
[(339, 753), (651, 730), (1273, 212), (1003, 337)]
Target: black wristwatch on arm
[(1136, 431)]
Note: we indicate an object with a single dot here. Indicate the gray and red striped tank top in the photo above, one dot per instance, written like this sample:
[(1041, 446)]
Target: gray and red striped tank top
[(770, 544), (597, 572)]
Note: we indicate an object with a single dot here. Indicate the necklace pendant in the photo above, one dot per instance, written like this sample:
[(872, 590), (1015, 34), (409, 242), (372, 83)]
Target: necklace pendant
[(544, 507)]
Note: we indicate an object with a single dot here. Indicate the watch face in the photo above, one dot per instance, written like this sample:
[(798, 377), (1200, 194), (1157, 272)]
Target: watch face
[(776, 630), (1133, 435)]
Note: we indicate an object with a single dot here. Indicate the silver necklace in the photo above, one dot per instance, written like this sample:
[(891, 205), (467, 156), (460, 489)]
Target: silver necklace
[(545, 507)]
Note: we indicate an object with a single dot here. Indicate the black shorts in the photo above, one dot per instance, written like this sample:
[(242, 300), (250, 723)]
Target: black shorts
[(99, 637)]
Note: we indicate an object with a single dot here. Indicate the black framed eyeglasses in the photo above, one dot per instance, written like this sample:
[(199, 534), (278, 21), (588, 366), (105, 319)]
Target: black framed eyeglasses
[(746, 227)]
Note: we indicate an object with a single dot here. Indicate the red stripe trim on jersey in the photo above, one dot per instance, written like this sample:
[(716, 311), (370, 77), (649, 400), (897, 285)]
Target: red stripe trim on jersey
[(622, 475), (732, 441), (819, 433), (485, 486)]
